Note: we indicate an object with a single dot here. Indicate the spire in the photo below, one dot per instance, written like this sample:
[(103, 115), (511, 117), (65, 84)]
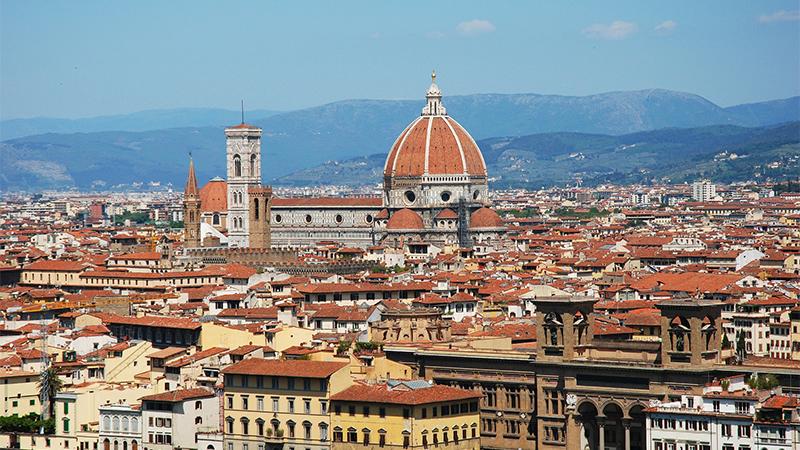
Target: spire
[(192, 191), (434, 96)]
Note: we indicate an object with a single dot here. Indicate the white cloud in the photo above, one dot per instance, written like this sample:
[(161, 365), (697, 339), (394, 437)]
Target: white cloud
[(435, 35), (665, 27), (474, 27), (781, 16), (375, 35), (615, 31)]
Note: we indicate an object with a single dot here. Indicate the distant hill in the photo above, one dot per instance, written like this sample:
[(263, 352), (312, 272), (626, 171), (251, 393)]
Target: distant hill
[(723, 153), (303, 139), (156, 119)]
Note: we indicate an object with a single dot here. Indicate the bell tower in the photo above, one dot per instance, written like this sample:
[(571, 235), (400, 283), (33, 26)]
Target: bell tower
[(244, 173), (191, 209)]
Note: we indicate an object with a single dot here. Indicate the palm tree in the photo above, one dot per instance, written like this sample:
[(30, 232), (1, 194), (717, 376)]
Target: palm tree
[(49, 385)]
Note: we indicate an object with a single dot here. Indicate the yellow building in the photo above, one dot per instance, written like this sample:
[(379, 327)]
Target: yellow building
[(20, 394), (283, 404), (405, 414)]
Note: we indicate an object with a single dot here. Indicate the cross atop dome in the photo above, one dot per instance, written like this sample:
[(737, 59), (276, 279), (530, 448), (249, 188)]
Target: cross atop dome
[(434, 96)]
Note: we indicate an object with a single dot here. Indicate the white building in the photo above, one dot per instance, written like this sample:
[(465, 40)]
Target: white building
[(120, 427), (704, 190), (173, 419)]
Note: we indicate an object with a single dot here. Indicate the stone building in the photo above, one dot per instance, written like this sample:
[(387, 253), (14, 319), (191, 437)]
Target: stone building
[(435, 193), (413, 325)]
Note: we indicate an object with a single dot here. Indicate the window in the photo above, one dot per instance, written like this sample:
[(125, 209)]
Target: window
[(744, 431), (291, 405), (66, 406), (352, 435), (337, 409), (323, 385), (351, 410), (260, 403), (66, 425), (290, 384), (366, 438), (260, 427), (323, 432), (406, 413), (245, 402), (382, 412), (323, 407), (275, 384), (307, 430), (307, 406), (245, 426), (306, 384), (198, 420), (198, 405), (727, 429), (406, 441), (337, 436), (274, 404), (245, 380), (366, 411), (230, 401), (230, 425), (382, 440)]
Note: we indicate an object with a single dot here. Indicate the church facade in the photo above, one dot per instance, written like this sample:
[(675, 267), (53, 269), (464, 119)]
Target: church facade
[(435, 193)]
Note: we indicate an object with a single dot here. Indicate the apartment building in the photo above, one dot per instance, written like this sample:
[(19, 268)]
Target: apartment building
[(280, 404)]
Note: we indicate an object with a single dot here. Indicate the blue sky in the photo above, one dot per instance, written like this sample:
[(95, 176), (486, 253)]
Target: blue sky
[(84, 59)]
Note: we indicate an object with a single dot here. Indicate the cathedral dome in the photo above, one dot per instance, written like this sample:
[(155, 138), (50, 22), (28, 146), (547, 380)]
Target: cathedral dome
[(214, 196), (486, 218), (405, 219), (434, 144)]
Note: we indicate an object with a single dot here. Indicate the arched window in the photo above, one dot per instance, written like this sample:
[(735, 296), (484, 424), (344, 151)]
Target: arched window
[(255, 203), (135, 426), (106, 443), (198, 405), (106, 424), (116, 424), (116, 445), (237, 166), (215, 219), (252, 165), (134, 445), (125, 424), (198, 420)]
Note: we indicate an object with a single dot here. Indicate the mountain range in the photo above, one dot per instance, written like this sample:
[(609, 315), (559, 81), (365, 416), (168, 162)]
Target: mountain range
[(298, 140), (724, 153)]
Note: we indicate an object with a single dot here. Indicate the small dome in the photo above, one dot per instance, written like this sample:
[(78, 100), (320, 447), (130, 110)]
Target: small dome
[(486, 218), (405, 219), (214, 196), (447, 213), (384, 214)]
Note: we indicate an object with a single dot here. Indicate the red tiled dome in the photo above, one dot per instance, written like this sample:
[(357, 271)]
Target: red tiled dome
[(486, 218), (434, 144), (405, 219), (384, 214), (447, 213), (214, 196), (448, 150)]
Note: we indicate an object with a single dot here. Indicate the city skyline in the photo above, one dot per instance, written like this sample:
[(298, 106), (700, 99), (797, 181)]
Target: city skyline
[(89, 59)]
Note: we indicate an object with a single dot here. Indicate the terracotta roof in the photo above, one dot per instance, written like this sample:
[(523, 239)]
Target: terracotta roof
[(485, 218), (405, 219), (296, 368), (179, 395), (447, 213), (243, 126), (57, 265), (214, 196), (399, 395), (328, 201), (446, 149)]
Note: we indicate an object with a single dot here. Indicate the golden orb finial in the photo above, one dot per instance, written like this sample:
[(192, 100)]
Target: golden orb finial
[(433, 76)]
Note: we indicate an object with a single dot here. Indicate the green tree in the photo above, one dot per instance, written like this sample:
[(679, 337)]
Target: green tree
[(726, 343), (740, 346), (50, 382)]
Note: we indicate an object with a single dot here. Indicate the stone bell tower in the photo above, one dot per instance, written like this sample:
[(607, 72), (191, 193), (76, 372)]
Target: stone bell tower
[(260, 212), (244, 173), (191, 209)]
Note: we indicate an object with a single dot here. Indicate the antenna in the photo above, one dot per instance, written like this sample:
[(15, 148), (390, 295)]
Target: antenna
[(242, 111)]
